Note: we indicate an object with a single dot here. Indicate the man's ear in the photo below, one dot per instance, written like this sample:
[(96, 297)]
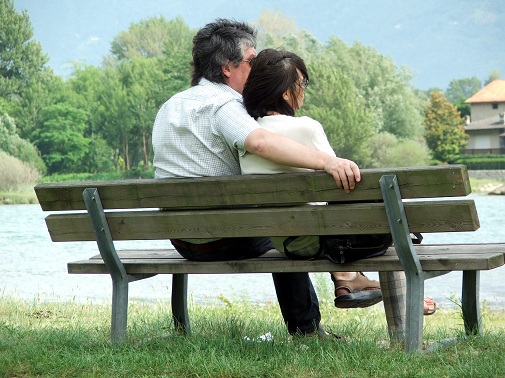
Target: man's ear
[(286, 95), (225, 68)]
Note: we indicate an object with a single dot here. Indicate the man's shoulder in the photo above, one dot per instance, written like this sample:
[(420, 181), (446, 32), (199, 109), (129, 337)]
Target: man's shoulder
[(214, 93)]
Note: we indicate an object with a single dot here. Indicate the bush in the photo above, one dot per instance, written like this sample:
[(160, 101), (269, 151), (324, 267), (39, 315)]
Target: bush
[(389, 151), (482, 162), (134, 173), (16, 175), (14, 145)]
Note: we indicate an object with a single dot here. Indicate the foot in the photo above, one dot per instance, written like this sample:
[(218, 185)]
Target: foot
[(430, 306), (321, 333), (358, 292)]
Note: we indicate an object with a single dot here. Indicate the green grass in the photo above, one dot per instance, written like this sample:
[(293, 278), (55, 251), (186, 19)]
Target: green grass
[(72, 340)]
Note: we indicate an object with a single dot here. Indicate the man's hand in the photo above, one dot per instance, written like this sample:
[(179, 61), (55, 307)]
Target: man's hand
[(345, 172)]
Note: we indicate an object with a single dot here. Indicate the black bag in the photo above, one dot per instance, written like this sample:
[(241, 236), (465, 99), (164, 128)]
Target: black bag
[(345, 248)]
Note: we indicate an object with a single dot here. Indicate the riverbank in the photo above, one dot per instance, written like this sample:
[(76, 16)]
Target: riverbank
[(69, 339), (18, 198)]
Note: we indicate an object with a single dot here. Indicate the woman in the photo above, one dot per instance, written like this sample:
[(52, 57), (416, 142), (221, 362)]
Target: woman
[(273, 92)]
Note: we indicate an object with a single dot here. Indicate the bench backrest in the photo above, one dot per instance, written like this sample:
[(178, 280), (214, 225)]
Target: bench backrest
[(261, 205)]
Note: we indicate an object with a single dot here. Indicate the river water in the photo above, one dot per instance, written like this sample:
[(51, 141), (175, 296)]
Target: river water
[(34, 268)]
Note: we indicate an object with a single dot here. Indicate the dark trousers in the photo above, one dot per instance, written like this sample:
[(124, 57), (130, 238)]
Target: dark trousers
[(295, 292)]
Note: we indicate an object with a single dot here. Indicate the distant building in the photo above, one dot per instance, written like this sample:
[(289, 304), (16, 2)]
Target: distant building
[(486, 125)]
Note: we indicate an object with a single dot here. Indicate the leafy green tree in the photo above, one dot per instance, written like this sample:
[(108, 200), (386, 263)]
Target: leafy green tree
[(493, 75), (149, 38), (444, 129), (386, 89), (25, 82), (142, 78), (114, 116), (61, 138), (275, 30), (151, 63), (175, 61), (85, 85), (459, 90), (331, 99), (21, 58), (47, 90)]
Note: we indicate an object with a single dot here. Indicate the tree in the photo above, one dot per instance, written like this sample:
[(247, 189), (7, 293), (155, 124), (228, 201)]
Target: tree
[(444, 129), (149, 38), (275, 30), (20, 57), (142, 78), (61, 138), (150, 63), (47, 89), (459, 90), (493, 75), (386, 90), (85, 86), (114, 116), (332, 100)]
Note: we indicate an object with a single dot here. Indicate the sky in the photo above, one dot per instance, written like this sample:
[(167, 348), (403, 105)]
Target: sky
[(438, 41)]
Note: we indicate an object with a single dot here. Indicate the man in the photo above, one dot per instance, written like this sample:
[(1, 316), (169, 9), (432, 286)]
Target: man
[(203, 130)]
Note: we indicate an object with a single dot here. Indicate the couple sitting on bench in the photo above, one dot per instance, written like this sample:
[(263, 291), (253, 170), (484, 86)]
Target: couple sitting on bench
[(206, 131)]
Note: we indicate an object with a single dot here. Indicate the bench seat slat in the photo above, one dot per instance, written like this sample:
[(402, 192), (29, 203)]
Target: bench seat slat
[(433, 216), (416, 182), (432, 258)]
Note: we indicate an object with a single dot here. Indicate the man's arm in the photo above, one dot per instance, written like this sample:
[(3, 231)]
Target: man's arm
[(286, 151)]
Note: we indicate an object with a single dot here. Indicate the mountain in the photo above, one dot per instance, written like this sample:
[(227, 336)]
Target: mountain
[(438, 41)]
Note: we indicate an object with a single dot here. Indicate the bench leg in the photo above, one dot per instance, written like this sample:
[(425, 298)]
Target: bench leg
[(180, 302), (414, 313), (470, 302), (119, 310), (393, 286), (407, 254)]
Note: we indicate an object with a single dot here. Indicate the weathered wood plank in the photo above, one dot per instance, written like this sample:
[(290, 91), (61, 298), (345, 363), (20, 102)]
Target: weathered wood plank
[(415, 182), (423, 216), (432, 258)]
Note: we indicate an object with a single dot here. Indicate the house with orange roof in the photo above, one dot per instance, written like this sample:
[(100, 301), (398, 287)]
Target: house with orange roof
[(486, 126)]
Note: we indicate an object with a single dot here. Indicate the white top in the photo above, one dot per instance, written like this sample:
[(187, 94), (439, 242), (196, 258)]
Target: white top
[(302, 129), (201, 132), (306, 131)]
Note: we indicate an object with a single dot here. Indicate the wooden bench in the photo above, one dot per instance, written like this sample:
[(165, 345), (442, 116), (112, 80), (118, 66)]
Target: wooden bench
[(400, 201)]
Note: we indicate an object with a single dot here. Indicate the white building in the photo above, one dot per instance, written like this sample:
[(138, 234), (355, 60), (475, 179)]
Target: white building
[(486, 127)]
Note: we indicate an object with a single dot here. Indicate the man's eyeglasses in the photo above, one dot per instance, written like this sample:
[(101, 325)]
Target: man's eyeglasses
[(304, 83), (250, 61)]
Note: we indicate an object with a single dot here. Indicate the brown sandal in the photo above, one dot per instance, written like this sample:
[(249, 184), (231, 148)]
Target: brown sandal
[(357, 293), (430, 306)]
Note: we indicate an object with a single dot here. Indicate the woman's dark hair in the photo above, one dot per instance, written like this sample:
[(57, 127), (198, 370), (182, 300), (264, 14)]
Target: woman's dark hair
[(273, 72), (218, 43)]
